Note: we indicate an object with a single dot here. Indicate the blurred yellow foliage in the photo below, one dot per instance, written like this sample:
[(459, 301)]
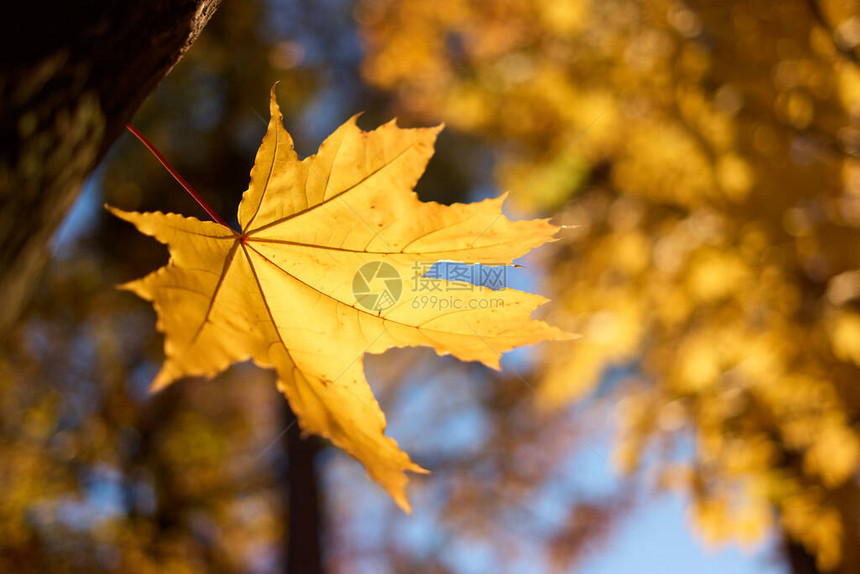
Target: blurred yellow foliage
[(714, 196)]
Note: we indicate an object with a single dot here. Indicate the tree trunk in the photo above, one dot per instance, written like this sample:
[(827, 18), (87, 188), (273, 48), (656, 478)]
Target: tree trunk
[(303, 522), (72, 74), (799, 559)]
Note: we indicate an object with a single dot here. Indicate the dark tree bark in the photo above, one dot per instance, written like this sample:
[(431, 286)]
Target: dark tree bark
[(72, 74), (304, 524), (799, 559)]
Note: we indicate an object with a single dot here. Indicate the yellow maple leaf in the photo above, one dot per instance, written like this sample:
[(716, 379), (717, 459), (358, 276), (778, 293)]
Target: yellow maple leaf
[(314, 280)]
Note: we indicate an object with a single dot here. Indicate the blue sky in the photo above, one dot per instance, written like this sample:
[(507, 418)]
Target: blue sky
[(656, 539)]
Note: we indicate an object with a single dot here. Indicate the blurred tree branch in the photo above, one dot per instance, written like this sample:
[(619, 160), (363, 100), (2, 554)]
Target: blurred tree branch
[(71, 77)]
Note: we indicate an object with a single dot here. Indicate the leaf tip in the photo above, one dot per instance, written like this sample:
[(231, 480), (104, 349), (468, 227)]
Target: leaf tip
[(495, 363), (164, 378), (404, 505), (399, 496), (114, 210), (274, 109)]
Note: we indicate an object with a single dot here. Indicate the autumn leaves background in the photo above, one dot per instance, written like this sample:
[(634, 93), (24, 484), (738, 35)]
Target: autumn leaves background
[(710, 265)]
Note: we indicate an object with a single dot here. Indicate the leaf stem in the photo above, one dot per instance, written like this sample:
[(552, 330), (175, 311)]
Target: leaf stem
[(176, 175)]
